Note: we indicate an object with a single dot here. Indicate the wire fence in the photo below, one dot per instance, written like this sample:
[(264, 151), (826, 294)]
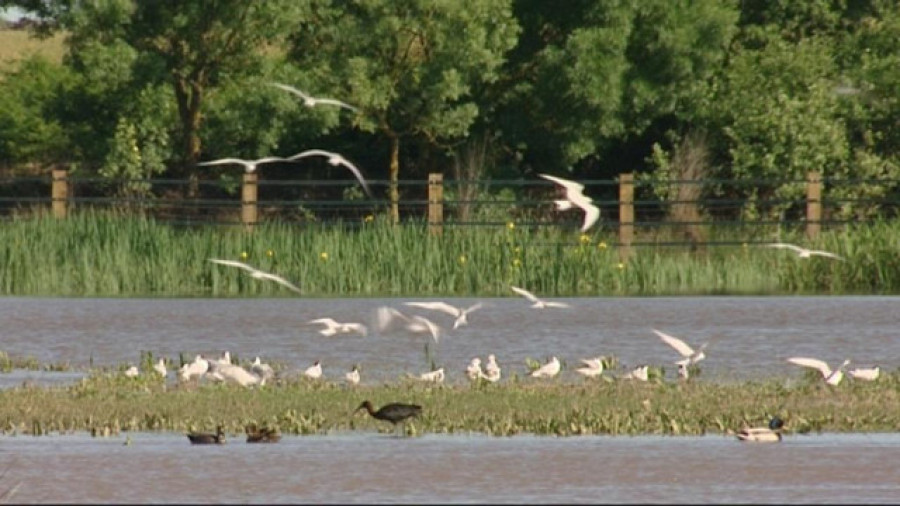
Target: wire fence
[(634, 211)]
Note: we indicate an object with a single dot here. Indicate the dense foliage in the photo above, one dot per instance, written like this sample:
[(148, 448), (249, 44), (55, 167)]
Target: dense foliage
[(765, 89)]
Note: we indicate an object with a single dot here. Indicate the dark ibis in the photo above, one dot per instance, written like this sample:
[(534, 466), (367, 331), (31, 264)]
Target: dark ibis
[(206, 438), (394, 412)]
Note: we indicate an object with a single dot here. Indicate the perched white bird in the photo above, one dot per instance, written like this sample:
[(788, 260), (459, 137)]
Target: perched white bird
[(548, 370), (691, 357), (865, 374), (194, 369), (132, 372), (262, 370), (160, 367), (538, 303), (249, 165), (803, 252), (473, 370), (311, 101), (640, 373), (332, 327), (436, 376), (225, 358), (335, 159), (831, 377), (491, 369), (575, 197), (352, 376), (592, 367), (234, 373), (457, 312), (256, 273), (683, 371), (314, 371)]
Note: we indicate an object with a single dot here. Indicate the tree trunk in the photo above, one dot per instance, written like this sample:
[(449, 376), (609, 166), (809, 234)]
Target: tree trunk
[(394, 177), (189, 98)]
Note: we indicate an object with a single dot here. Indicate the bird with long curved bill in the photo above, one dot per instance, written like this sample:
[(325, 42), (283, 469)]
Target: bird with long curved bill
[(396, 412)]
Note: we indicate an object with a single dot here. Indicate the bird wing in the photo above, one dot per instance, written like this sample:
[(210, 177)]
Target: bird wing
[(428, 325), (333, 101), (310, 152), (591, 215), (233, 263), (325, 321), (278, 279), (473, 307), (437, 306), (525, 293), (783, 245), (571, 187), (812, 362), (386, 315), (679, 345), (825, 254), (555, 304), (356, 172), (222, 161), (293, 90)]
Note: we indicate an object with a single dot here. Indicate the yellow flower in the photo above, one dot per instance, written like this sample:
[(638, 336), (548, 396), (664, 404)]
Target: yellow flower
[(369, 218), (517, 249), (744, 245), (585, 239), (270, 253), (462, 259), (244, 255), (621, 265), (510, 225), (323, 255), (601, 245), (517, 262)]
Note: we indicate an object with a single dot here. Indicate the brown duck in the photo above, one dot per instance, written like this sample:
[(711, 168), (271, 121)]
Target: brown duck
[(206, 438), (262, 435)]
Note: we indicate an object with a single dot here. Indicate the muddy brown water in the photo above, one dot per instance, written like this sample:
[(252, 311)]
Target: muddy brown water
[(752, 337)]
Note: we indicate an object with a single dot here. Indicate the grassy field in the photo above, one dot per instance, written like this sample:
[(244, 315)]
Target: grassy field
[(105, 255), (19, 44), (109, 403)]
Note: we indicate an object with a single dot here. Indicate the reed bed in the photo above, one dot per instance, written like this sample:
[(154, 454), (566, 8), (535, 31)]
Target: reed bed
[(102, 254), (108, 403)]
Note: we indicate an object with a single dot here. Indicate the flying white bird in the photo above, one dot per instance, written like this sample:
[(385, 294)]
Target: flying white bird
[(691, 357), (640, 373), (160, 367), (548, 370), (332, 327), (314, 371), (592, 367), (831, 377), (352, 376), (416, 324), (491, 369), (865, 374), (575, 197), (457, 312), (256, 273), (538, 303), (436, 376), (249, 165), (803, 252), (335, 159), (262, 370), (311, 101), (473, 370)]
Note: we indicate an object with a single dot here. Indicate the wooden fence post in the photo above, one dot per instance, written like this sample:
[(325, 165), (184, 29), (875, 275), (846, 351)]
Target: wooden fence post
[(626, 215), (435, 203), (59, 193), (248, 201), (813, 204)]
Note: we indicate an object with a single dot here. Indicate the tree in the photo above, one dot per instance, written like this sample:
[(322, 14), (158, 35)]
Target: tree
[(410, 66), (194, 45)]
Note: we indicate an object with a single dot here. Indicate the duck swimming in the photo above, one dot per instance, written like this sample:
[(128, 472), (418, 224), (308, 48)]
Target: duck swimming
[(770, 434)]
